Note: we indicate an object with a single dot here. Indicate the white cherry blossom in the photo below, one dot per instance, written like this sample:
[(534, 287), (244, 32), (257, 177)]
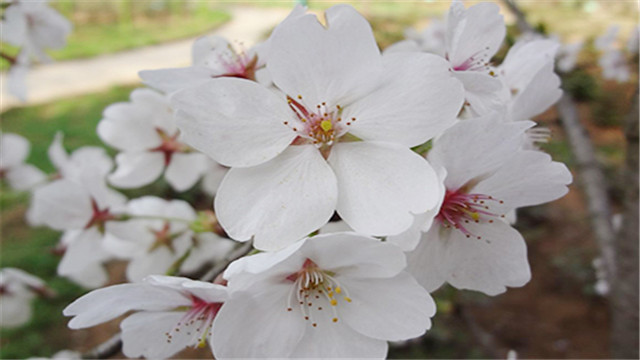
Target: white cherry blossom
[(213, 56), (344, 127), (80, 206), (171, 313), (144, 131), (14, 150), (470, 244), (158, 235), (330, 296), (17, 289)]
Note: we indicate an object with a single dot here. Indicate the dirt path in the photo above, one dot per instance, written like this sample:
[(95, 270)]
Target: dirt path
[(75, 77)]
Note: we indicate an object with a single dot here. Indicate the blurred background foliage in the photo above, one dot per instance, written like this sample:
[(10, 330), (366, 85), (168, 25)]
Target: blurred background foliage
[(557, 315)]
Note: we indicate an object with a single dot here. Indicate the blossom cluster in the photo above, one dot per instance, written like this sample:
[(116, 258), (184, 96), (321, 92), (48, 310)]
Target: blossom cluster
[(365, 180)]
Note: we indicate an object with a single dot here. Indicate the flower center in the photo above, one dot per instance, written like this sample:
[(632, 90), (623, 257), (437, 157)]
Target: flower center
[(321, 126), (163, 237), (99, 217), (313, 290), (476, 62), (169, 145), (460, 208), (196, 322), (238, 64)]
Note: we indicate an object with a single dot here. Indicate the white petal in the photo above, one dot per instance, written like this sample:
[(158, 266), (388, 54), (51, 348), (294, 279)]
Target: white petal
[(345, 343), (136, 169), (428, 262), (280, 201), (529, 178), (419, 100), (57, 154), (184, 170), (83, 259), (25, 177), (480, 29), (542, 92), (489, 264), (62, 205), (481, 91), (108, 303), (474, 148), (17, 80), (408, 240), (213, 177), (236, 122), (355, 256), (274, 331), (171, 80), (387, 309), (145, 334), (381, 185), (130, 126), (15, 150), (14, 310), (334, 64)]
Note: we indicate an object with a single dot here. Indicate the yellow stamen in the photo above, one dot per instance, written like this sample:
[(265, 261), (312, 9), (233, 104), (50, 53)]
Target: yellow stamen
[(334, 302), (347, 298), (326, 125), (338, 290)]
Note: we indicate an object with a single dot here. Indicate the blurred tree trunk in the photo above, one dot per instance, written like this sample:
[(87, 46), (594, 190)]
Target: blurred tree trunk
[(624, 289)]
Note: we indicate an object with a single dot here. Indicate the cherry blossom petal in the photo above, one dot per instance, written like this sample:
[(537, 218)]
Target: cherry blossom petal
[(542, 92), (129, 126), (427, 263), (171, 80), (83, 257), (267, 302), (477, 29), (14, 150), (104, 304), (338, 341), (334, 64), (529, 178), (280, 201), (135, 169), (481, 91), (489, 264), (15, 310), (184, 170), (369, 314), (418, 101), (338, 252), (145, 334), (62, 205), (25, 177), (491, 143), (237, 122), (381, 185)]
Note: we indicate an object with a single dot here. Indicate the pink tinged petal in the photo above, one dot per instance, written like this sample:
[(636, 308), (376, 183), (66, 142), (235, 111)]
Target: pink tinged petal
[(83, 258), (145, 334), (477, 30), (25, 177), (354, 256), (278, 202), (338, 341), (417, 101), (171, 80), (62, 205), (185, 170), (542, 92), (482, 91), (236, 122), (136, 169), (381, 185), (274, 331), (490, 264), (474, 148), (15, 150), (427, 263), (529, 178), (335, 64), (108, 303), (387, 309)]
